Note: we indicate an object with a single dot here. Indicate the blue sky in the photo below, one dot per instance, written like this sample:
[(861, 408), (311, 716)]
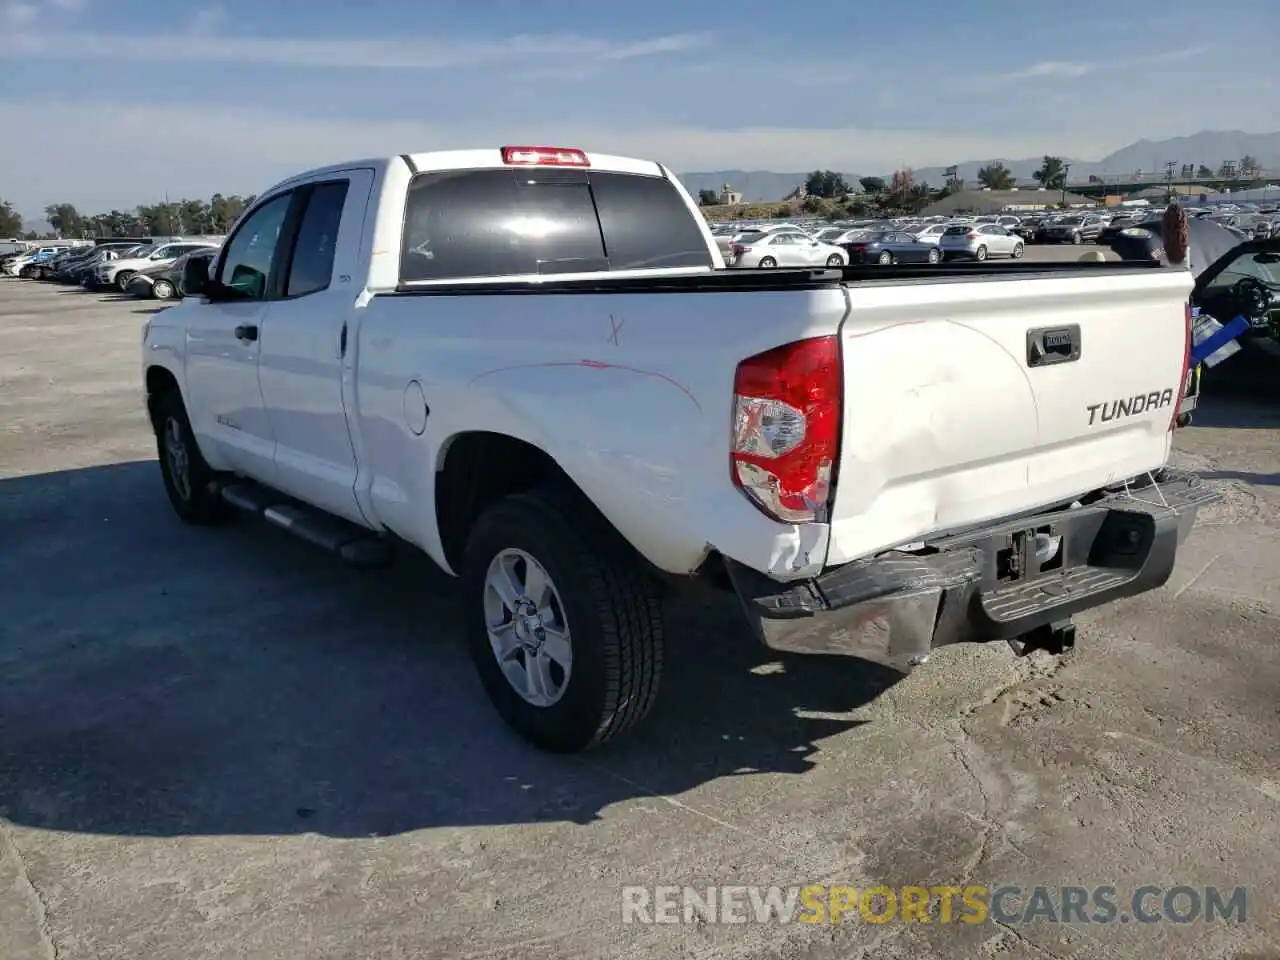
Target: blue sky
[(117, 103)]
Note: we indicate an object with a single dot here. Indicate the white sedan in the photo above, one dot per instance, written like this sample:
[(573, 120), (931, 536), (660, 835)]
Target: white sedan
[(784, 249), (978, 241)]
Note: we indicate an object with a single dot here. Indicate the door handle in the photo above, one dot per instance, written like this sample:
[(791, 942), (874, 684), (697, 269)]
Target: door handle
[(342, 342), (248, 332), (1050, 345)]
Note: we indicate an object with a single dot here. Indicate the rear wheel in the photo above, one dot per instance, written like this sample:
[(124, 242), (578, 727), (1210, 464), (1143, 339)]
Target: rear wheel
[(1075, 238), (188, 479), (885, 259), (768, 263), (123, 278), (934, 256), (835, 260), (162, 290), (980, 254), (1018, 251), (563, 626)]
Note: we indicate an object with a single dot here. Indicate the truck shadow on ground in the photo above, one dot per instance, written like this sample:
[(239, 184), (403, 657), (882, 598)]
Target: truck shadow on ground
[(160, 680)]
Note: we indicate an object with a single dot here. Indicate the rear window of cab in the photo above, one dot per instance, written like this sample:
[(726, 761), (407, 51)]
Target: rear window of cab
[(467, 224)]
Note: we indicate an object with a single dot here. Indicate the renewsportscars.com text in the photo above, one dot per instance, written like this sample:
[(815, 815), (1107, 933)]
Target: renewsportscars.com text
[(971, 904)]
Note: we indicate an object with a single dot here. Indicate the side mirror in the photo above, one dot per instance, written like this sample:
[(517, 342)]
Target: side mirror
[(196, 279)]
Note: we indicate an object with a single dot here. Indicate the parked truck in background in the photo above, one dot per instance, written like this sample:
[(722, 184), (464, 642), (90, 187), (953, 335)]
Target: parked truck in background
[(530, 364)]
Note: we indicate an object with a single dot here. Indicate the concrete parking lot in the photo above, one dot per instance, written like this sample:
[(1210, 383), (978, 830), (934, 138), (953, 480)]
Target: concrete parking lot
[(222, 743)]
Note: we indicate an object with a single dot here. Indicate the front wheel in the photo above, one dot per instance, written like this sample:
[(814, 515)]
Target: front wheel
[(768, 263), (885, 259), (1018, 251), (123, 279), (162, 290), (980, 254), (188, 479), (1075, 238), (563, 626), (934, 256), (835, 260)]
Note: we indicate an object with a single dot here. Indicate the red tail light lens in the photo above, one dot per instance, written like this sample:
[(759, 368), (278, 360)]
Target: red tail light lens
[(545, 156), (1186, 369), (786, 428), (971, 235)]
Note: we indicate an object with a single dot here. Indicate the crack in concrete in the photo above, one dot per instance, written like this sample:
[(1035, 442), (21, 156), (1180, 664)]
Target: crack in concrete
[(39, 907), (1029, 944)]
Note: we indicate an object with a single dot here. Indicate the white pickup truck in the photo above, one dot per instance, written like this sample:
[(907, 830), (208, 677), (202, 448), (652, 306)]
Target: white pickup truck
[(531, 364)]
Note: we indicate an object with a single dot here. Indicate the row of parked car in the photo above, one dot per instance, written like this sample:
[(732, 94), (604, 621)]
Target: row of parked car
[(147, 269), (787, 245)]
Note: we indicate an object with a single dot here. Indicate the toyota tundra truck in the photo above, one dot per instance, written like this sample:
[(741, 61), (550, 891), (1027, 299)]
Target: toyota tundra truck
[(530, 364)]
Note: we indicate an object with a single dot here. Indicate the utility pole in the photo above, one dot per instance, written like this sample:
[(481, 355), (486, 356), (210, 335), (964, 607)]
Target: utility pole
[(1169, 165), (1066, 171)]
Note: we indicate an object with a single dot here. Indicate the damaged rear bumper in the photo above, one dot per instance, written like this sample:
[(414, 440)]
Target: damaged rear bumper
[(1002, 581)]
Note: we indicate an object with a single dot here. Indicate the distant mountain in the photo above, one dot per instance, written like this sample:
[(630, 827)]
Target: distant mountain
[(1210, 147)]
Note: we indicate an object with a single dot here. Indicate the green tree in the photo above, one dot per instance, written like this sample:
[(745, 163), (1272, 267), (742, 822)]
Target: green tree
[(64, 218), (10, 220), (1204, 172), (1052, 173), (1249, 166), (872, 185), (826, 184), (708, 198), (996, 176)]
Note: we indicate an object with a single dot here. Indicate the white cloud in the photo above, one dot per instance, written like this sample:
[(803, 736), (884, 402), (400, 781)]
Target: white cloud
[(101, 155), (415, 53), (1053, 69), (20, 14), (206, 20)]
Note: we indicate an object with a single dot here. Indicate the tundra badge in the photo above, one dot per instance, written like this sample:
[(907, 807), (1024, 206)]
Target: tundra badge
[(1129, 406)]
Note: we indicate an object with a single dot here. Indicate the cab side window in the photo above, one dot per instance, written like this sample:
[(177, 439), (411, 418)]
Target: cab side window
[(311, 267), (251, 253)]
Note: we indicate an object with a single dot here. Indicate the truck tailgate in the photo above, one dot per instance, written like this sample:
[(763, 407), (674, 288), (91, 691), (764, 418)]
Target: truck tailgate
[(953, 416)]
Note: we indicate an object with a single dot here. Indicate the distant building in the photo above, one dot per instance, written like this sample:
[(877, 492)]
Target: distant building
[(999, 201), (729, 197)]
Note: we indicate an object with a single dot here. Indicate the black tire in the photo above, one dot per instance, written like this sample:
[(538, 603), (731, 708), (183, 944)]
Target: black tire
[(934, 256), (611, 607), (980, 254), (835, 260), (1075, 238), (885, 259), (195, 501), (768, 263), (1018, 251), (123, 278), (162, 290)]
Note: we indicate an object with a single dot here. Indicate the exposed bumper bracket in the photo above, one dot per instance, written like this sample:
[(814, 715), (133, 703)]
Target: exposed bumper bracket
[(996, 582)]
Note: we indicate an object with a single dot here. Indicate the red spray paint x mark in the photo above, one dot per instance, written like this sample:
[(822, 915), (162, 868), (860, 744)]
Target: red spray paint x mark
[(617, 328)]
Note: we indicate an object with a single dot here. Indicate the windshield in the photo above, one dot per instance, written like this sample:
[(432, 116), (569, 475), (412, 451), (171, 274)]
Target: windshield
[(137, 253), (1247, 266), (1070, 222)]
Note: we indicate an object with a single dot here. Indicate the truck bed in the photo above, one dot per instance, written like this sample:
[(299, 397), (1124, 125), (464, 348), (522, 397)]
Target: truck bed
[(747, 281)]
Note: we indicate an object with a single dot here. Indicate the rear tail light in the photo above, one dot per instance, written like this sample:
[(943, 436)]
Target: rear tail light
[(971, 235), (786, 428), (1186, 369), (545, 156)]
